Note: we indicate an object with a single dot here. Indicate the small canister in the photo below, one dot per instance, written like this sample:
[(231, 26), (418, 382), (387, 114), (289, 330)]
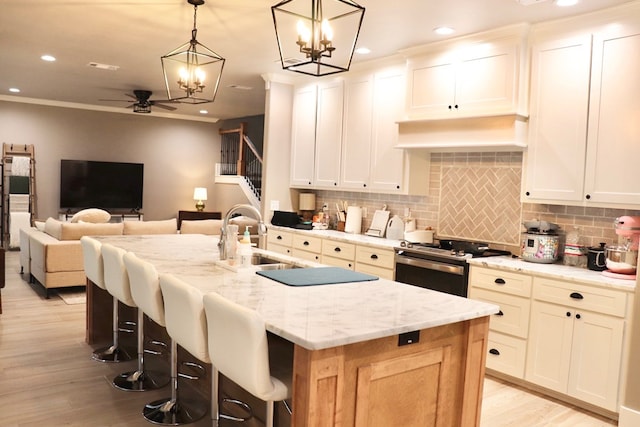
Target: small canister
[(596, 258)]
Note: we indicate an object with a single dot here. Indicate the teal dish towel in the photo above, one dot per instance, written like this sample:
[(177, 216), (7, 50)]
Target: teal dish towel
[(315, 276)]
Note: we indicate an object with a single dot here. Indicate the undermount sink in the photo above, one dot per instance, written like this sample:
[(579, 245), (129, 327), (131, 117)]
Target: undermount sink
[(258, 262)]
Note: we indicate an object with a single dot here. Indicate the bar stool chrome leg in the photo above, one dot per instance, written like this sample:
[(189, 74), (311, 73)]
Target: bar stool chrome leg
[(113, 353), (140, 379), (170, 411)]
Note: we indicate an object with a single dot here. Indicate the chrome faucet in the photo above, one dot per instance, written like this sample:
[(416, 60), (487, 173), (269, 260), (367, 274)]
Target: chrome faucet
[(262, 229)]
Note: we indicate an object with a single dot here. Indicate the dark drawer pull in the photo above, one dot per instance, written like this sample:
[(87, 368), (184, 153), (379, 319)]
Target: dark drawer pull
[(494, 351), (500, 281), (337, 250), (279, 237), (374, 256), (306, 243), (576, 295), (500, 313)]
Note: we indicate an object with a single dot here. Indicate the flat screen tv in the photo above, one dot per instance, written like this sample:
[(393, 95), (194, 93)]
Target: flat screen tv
[(106, 185)]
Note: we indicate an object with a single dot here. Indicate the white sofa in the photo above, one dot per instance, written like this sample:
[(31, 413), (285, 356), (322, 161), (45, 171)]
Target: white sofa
[(52, 256)]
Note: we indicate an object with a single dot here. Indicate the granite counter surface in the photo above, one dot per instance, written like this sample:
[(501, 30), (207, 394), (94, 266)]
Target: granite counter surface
[(555, 271), (314, 317)]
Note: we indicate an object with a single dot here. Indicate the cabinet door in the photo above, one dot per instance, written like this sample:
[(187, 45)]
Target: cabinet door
[(596, 356), (613, 146), (303, 137), (487, 79), (555, 158), (388, 164), (356, 149), (328, 135), (432, 85), (549, 346)]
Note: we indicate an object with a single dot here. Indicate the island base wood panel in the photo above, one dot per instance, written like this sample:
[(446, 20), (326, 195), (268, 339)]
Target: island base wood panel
[(369, 383)]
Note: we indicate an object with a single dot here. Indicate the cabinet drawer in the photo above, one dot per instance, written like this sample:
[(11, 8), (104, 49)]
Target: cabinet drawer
[(307, 243), (600, 300), (506, 354), (306, 255), (285, 250), (383, 273), (377, 257), (501, 281), (338, 262), (337, 249), (513, 318), (279, 238)]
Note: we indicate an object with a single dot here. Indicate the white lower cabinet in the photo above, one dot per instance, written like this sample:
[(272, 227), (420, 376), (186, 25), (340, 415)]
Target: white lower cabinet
[(306, 247), (280, 241), (509, 328), (576, 340), (376, 261), (339, 254)]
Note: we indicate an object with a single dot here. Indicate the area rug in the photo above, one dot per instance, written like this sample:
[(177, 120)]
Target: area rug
[(72, 296)]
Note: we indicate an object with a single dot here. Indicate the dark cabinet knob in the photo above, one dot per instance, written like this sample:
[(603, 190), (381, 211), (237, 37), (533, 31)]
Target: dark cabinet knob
[(527, 193), (397, 187), (364, 185), (578, 316), (450, 107), (568, 314), (588, 196), (494, 351), (500, 313), (279, 237), (576, 295), (456, 106)]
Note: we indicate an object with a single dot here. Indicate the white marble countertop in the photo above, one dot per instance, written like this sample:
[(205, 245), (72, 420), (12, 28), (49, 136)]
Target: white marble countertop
[(555, 271), (314, 317)]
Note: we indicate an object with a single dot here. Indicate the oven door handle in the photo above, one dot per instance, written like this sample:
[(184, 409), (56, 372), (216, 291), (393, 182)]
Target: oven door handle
[(431, 265)]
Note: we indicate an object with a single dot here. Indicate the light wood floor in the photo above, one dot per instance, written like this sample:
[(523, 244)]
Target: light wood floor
[(47, 377)]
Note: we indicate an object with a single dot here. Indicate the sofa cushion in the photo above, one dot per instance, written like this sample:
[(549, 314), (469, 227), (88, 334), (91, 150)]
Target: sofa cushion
[(93, 215), (169, 226), (74, 231), (201, 226), (53, 227)]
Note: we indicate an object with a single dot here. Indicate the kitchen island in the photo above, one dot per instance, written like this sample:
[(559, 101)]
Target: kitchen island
[(375, 353)]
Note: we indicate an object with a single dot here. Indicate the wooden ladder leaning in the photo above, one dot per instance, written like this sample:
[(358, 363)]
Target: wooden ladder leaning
[(12, 176)]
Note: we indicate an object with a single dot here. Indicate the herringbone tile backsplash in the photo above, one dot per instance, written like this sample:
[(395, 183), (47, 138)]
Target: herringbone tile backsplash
[(480, 202)]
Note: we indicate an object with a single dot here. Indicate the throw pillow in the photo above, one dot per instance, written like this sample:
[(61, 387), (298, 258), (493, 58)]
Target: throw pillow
[(94, 215)]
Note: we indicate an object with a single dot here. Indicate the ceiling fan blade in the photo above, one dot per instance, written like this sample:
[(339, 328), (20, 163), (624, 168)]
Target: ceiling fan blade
[(115, 100), (131, 96)]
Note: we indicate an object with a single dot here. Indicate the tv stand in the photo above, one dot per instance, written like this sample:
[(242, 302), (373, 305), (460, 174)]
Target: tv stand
[(119, 215)]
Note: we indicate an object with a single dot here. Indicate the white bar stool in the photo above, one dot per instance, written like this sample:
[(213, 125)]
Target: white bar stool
[(239, 349), (116, 280), (94, 270)]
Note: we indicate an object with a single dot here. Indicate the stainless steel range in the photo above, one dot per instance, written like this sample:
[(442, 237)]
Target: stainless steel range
[(441, 267)]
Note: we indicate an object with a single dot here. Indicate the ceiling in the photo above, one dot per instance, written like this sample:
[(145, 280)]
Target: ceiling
[(134, 34)]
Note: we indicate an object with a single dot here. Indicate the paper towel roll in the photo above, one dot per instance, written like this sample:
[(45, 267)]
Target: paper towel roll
[(354, 220)]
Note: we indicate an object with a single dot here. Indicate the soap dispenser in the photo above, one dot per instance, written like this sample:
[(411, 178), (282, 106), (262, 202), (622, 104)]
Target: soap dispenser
[(244, 250)]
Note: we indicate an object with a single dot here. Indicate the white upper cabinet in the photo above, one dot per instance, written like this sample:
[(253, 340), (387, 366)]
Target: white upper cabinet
[(585, 98), (476, 78), (303, 136), (329, 135), (613, 142), (558, 119)]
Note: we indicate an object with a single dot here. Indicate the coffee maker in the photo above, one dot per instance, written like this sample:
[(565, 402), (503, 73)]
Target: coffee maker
[(622, 259)]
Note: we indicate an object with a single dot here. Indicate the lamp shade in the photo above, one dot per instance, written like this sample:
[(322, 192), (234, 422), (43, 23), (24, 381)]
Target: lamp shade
[(307, 202), (200, 193)]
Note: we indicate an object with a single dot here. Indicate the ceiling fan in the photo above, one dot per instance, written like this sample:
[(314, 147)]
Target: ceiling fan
[(142, 102)]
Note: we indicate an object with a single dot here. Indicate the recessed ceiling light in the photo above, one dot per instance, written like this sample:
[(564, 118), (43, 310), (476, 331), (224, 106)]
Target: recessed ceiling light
[(565, 3), (443, 31), (48, 58), (204, 112), (363, 50), (14, 90)]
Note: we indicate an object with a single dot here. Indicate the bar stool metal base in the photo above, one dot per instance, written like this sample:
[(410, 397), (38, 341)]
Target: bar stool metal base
[(111, 354), (140, 381), (172, 413)]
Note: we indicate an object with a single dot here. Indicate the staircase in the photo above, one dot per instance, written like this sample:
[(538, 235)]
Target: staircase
[(240, 164)]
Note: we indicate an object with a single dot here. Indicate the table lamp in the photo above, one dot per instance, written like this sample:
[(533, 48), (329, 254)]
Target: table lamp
[(307, 205), (200, 195)]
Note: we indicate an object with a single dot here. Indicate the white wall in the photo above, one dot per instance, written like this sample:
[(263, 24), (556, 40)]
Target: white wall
[(178, 155)]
